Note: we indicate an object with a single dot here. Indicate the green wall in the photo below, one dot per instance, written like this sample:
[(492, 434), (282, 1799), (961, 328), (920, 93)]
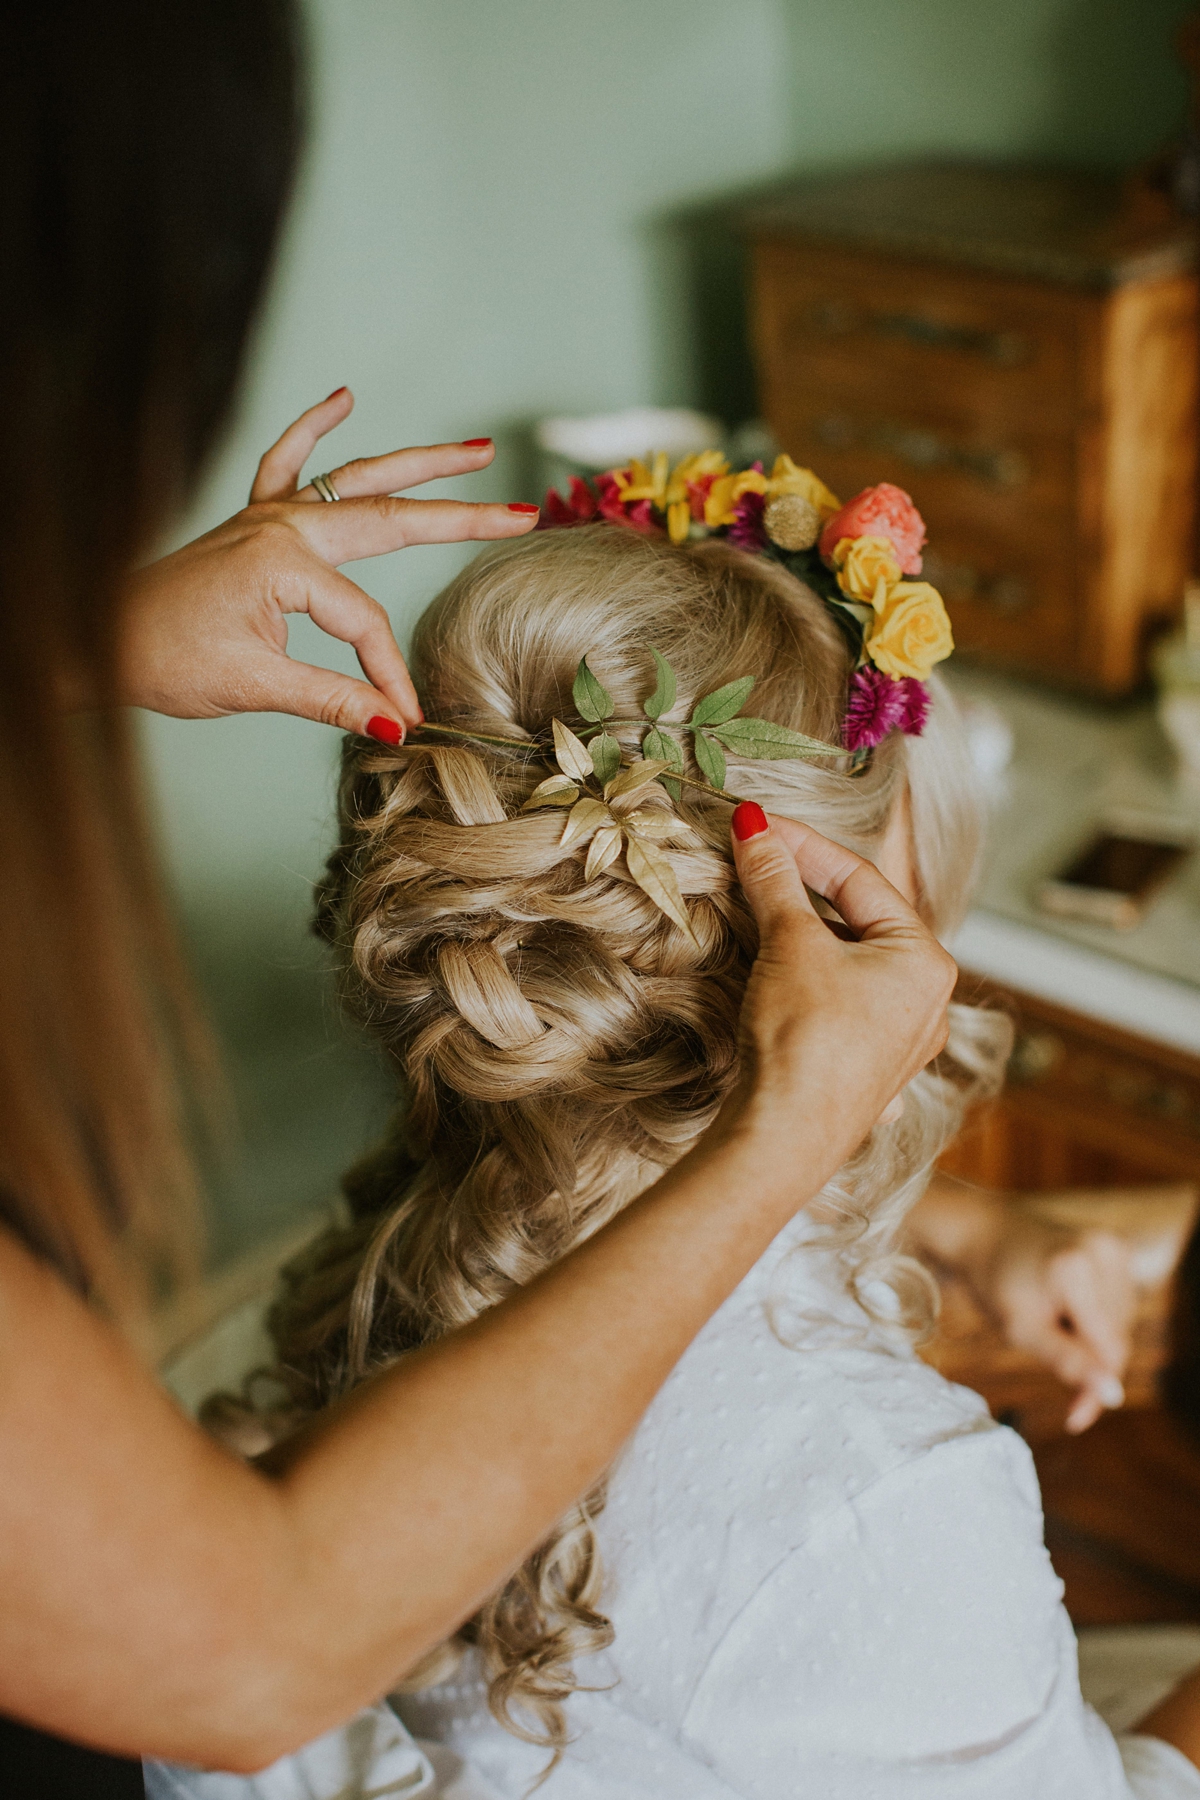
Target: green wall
[(497, 220)]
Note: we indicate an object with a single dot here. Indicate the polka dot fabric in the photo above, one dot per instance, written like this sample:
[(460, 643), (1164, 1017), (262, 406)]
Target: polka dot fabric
[(826, 1572)]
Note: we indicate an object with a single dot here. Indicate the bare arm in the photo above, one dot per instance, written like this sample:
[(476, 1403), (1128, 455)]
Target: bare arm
[(1065, 1296), (162, 1598)]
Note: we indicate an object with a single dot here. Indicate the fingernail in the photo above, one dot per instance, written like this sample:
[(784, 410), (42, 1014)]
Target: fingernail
[(522, 506), (476, 443), (386, 730), (334, 394), (1109, 1392), (749, 820)]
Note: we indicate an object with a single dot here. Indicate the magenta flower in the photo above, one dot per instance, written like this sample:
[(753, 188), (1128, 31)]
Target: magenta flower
[(914, 706), (748, 529), (873, 709)]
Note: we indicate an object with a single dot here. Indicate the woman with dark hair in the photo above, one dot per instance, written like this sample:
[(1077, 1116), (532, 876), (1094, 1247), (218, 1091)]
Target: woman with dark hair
[(157, 1596)]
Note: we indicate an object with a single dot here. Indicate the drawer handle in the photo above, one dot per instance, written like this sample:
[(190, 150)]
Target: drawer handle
[(924, 449), (833, 319), (959, 581)]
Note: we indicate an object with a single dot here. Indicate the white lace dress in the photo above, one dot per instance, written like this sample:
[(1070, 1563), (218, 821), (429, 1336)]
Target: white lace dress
[(827, 1577)]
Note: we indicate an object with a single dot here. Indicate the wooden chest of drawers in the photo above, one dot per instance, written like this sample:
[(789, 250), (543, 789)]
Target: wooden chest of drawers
[(1021, 355)]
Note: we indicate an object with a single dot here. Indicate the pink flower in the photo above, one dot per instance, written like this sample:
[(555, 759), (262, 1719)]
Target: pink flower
[(577, 510), (873, 709), (638, 514), (914, 706), (884, 511), (748, 529)]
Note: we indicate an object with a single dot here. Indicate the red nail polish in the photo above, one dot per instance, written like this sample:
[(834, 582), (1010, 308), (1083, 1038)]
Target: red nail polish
[(334, 394), (749, 820), (522, 506), (386, 730), (476, 443)]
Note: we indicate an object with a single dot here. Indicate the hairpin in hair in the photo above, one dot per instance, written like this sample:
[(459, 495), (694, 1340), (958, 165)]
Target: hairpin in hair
[(859, 558)]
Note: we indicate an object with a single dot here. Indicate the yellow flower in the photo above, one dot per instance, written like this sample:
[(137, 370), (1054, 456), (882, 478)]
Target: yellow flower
[(867, 569), (786, 478), (724, 494), (911, 633), (666, 488), (644, 483)]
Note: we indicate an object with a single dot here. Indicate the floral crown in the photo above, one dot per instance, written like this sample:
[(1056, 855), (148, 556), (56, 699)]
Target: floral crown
[(859, 558), (856, 557)]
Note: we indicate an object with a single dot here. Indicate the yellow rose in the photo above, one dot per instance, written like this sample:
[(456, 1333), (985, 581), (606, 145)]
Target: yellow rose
[(867, 569), (911, 633), (786, 478)]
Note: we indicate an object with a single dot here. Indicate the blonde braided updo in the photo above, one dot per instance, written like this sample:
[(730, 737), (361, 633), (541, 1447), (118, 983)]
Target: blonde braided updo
[(558, 1042)]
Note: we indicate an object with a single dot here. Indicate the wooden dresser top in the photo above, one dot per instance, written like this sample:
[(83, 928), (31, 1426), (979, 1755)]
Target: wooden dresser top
[(1074, 228)]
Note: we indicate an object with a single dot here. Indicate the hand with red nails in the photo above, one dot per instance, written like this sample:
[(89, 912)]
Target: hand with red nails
[(206, 628), (833, 1026)]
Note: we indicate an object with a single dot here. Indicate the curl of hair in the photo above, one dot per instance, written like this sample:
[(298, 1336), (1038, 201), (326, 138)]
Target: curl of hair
[(559, 1043)]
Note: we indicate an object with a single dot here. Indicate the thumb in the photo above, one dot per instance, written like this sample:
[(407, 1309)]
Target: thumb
[(768, 873), (330, 698)]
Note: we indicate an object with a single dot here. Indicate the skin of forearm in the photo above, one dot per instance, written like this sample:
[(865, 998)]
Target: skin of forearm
[(269, 1607), (958, 1226)]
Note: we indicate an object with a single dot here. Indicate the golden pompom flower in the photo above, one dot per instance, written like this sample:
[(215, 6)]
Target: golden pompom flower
[(792, 522)]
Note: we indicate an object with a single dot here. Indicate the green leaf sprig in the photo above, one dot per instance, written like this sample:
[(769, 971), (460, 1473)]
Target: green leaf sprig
[(715, 726), (615, 821)]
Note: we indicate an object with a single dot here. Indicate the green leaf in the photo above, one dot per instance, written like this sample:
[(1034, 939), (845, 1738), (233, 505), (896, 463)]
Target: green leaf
[(606, 756), (715, 708), (663, 697), (711, 759), (660, 747), (762, 737), (591, 700)]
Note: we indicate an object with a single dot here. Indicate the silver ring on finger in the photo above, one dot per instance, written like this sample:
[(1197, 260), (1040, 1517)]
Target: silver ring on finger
[(325, 487)]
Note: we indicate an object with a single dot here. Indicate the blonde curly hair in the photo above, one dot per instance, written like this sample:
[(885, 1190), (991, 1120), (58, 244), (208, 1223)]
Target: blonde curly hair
[(558, 1042)]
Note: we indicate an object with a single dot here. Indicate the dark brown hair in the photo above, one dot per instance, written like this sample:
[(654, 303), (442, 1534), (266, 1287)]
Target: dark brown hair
[(147, 150)]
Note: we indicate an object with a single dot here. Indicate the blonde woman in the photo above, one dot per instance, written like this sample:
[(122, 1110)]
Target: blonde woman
[(817, 1568)]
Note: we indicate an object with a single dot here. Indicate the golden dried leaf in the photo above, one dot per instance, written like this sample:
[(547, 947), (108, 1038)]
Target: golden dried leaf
[(584, 816), (573, 757), (604, 849), (556, 790), (635, 776), (656, 878), (653, 823)]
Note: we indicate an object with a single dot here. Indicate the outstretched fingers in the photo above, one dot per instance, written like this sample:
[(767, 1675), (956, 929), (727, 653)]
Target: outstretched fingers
[(279, 469), (375, 526), (403, 469)]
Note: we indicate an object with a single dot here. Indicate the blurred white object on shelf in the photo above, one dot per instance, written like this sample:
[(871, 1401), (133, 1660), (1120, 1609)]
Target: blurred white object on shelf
[(586, 446), (609, 440), (1177, 671)]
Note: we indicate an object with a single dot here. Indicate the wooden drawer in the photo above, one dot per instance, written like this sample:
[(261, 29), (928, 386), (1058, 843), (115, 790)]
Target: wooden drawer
[(986, 351), (1011, 480), (1046, 430)]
